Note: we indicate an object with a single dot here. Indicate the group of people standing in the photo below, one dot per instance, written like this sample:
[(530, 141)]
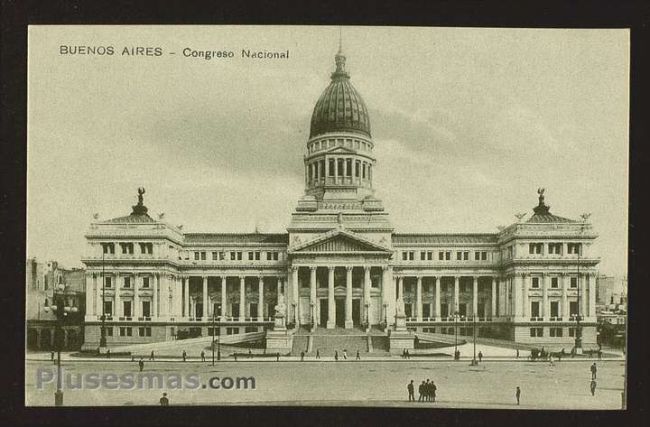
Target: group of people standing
[(426, 390)]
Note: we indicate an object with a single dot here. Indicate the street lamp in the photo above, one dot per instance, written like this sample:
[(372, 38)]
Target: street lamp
[(61, 311), (214, 333), (578, 340), (474, 361), (102, 337), (455, 334)]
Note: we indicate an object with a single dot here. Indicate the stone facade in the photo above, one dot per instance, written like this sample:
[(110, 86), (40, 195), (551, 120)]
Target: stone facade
[(341, 263)]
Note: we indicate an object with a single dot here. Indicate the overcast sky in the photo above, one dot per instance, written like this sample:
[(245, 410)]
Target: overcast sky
[(467, 124)]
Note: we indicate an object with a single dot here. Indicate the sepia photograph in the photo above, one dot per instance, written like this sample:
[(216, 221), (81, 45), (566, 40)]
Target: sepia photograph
[(358, 216)]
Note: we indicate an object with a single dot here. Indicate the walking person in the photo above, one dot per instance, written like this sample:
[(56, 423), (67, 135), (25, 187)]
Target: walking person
[(517, 353), (184, 356), (141, 364), (336, 355), (108, 353), (345, 354), (480, 356), (411, 390), (593, 371), (163, 400), (592, 387), (151, 356), (52, 356), (358, 356), (421, 392), (202, 356), (433, 391), (317, 354), (302, 356), (518, 394), (277, 357), (427, 390)]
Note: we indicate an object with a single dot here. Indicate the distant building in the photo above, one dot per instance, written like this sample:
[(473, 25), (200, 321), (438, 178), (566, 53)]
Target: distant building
[(611, 293), (41, 281)]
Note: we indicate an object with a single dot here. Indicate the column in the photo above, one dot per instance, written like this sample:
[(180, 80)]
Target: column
[(456, 295), (312, 294), (474, 296), (437, 298), (242, 297), (366, 293), (135, 310), (525, 303), (224, 301), (388, 295), (331, 307), (155, 279), (493, 308), (545, 306), (186, 296), (204, 298), (295, 300), (418, 298), (117, 310), (565, 299), (400, 287), (348, 297), (260, 302), (515, 296), (592, 295), (582, 285), (90, 294)]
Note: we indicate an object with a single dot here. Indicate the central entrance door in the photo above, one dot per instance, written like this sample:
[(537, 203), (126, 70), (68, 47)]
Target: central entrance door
[(323, 313), (340, 312), (356, 312)]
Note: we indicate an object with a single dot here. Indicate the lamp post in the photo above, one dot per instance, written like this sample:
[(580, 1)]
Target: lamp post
[(455, 334), (474, 361), (102, 337), (61, 311), (578, 340)]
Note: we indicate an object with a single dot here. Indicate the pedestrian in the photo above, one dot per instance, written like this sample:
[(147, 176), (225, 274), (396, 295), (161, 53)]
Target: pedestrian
[(108, 353), (202, 356), (411, 390), (336, 355), (52, 355), (593, 371), (163, 400), (592, 387), (250, 354), (302, 356), (141, 364), (406, 354), (358, 356), (151, 356), (345, 354), (132, 358), (184, 356), (518, 394), (421, 392), (433, 391), (317, 354), (277, 357), (600, 354), (480, 356), (427, 390), (235, 356), (517, 353)]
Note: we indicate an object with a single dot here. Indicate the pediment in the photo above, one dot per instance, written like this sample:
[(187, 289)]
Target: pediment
[(341, 150), (339, 241)]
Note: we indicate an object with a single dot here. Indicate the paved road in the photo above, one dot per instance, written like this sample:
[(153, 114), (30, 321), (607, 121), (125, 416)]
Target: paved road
[(564, 385)]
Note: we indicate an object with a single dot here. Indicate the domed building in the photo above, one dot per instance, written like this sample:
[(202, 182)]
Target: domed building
[(341, 266)]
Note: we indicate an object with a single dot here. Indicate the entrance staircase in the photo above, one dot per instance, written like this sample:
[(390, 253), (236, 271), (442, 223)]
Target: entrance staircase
[(329, 341)]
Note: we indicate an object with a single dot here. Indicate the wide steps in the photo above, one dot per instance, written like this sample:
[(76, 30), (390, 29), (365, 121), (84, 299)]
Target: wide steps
[(328, 344)]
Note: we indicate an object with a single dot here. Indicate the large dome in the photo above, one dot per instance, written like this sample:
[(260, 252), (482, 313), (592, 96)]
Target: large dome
[(340, 108)]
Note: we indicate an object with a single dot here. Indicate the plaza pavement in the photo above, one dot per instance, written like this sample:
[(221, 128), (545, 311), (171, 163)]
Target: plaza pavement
[(562, 385)]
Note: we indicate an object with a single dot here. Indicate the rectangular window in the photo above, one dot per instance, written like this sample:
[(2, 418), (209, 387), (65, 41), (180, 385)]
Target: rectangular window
[(233, 256), (465, 256), (555, 248), (215, 256), (109, 331), (276, 256), (108, 308), (203, 256), (357, 166), (448, 255), (430, 256), (250, 256), (555, 309), (145, 282), (411, 256), (127, 282), (555, 332), (534, 308), (331, 167), (574, 282), (536, 332), (239, 256), (141, 331), (535, 282), (423, 256), (554, 282), (459, 256), (196, 256), (573, 308), (122, 331), (348, 167), (477, 256), (572, 332), (405, 256), (573, 248), (108, 282), (339, 166), (441, 256), (257, 256), (146, 308), (535, 248), (126, 305)]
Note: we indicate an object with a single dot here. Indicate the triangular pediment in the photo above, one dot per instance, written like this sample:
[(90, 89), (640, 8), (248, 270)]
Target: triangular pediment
[(339, 241), (341, 150)]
